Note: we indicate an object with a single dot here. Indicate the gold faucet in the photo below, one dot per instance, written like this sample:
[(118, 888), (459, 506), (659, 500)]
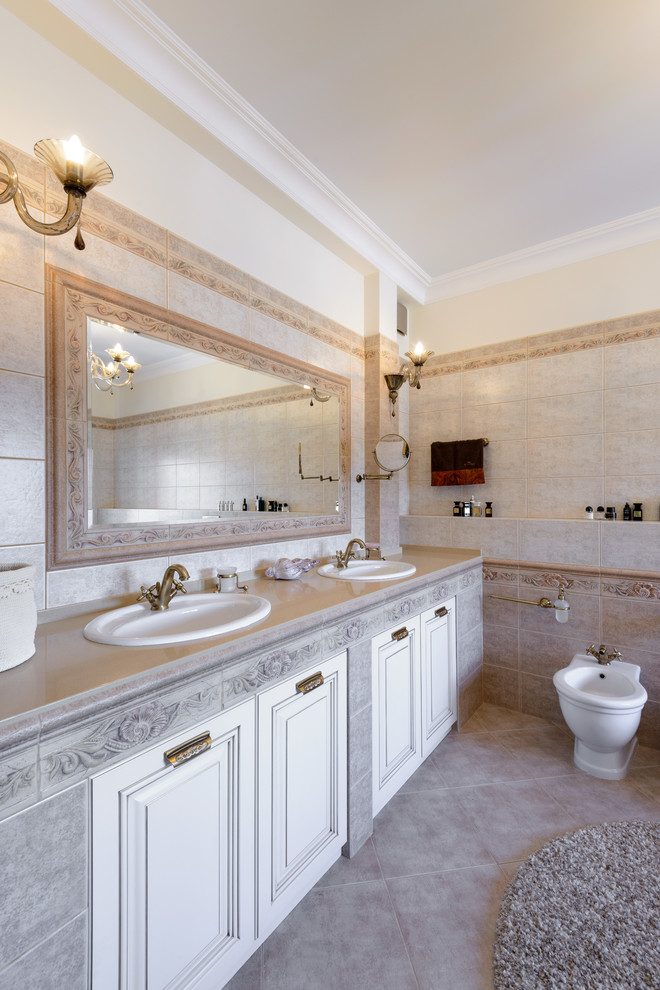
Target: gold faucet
[(343, 558), (160, 594), (602, 656)]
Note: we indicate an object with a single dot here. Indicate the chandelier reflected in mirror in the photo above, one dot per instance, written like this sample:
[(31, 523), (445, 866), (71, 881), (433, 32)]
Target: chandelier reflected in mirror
[(117, 373)]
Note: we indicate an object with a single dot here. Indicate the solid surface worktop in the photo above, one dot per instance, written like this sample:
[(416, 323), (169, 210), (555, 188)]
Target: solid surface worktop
[(68, 671)]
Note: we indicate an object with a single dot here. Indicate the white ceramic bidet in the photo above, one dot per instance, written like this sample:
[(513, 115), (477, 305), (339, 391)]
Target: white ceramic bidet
[(602, 705)]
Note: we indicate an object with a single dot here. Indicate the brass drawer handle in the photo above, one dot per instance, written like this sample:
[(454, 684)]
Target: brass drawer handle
[(400, 634), (188, 750), (441, 611), (310, 683)]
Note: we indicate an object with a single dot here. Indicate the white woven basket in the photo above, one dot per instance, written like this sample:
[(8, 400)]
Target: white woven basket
[(18, 614)]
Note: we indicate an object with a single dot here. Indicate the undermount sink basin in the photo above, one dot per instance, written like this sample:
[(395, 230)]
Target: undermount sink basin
[(368, 570), (189, 617)]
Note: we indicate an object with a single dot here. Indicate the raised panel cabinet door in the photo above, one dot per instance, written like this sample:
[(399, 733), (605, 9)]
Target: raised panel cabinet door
[(438, 670), (396, 709), (173, 862), (302, 786)]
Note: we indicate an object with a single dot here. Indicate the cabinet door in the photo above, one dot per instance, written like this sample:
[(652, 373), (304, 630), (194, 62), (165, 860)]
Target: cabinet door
[(172, 861), (396, 709), (438, 669), (302, 786)]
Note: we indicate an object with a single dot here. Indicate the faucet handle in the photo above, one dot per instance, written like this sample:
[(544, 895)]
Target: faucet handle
[(149, 594), (614, 655), (178, 586)]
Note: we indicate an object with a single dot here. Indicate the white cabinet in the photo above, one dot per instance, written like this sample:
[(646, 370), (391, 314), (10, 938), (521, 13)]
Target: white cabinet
[(173, 861), (438, 673), (302, 786), (413, 696), (396, 709), (189, 870)]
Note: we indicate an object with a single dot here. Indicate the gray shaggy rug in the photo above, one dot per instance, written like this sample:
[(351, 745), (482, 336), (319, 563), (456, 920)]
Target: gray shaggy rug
[(583, 913)]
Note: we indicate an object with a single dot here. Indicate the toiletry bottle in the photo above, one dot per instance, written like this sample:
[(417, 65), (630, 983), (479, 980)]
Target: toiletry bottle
[(466, 508), (489, 510), (457, 509), (637, 511), (627, 513), (472, 507), (262, 504), (600, 512), (245, 508), (589, 512), (610, 512)]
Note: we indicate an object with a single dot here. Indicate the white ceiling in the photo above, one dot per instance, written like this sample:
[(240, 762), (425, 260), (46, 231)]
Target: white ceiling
[(444, 135)]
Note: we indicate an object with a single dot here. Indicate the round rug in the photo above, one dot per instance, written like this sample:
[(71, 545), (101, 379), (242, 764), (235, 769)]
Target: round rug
[(583, 913)]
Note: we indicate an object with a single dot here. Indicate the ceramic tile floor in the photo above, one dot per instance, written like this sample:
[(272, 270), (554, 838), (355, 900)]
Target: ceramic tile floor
[(415, 909)]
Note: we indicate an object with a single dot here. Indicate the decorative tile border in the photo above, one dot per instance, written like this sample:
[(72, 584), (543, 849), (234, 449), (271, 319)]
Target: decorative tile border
[(638, 590), (253, 400)]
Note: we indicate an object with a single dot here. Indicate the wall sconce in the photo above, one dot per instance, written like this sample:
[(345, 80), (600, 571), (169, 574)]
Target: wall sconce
[(117, 373), (418, 357), (319, 396), (78, 169)]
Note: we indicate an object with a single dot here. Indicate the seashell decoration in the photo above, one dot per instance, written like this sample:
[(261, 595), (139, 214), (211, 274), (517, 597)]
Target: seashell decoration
[(288, 570)]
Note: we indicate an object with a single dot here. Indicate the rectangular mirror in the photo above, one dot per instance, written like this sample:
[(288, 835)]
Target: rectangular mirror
[(161, 460)]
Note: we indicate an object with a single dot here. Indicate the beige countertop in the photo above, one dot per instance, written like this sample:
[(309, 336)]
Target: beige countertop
[(67, 668)]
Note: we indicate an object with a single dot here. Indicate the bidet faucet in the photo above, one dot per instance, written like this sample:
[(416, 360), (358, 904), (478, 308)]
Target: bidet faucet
[(602, 656), (343, 558), (160, 594)]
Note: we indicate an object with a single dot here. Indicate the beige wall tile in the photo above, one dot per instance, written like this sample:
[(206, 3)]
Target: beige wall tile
[(563, 498), (501, 646), (425, 531), (546, 655), (499, 383), (636, 362), (563, 542), (565, 415), (110, 265), (631, 546), (559, 374), (538, 697), (494, 537), (583, 618), (21, 251), (636, 407), (207, 306), (496, 421), (86, 584), (501, 687), (505, 459), (22, 329), (633, 453), (23, 500), (565, 457), (630, 624), (22, 418)]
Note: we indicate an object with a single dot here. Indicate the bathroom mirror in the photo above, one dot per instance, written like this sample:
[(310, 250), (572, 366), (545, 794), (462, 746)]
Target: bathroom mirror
[(392, 453), (162, 464)]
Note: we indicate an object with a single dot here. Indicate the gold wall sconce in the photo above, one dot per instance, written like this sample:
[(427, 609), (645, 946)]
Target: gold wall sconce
[(319, 396), (412, 373), (117, 373), (78, 169)]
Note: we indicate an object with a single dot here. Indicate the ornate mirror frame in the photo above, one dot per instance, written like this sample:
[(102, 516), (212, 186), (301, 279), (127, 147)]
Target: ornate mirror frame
[(70, 300)]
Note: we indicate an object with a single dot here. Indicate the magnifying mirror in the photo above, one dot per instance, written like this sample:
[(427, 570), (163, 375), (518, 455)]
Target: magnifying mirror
[(392, 454)]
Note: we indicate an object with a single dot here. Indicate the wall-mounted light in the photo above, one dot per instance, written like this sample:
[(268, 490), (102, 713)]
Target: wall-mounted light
[(412, 372), (78, 169), (319, 396), (117, 373)]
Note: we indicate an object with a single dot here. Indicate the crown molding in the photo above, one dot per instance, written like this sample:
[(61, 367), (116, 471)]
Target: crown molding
[(630, 231), (131, 32)]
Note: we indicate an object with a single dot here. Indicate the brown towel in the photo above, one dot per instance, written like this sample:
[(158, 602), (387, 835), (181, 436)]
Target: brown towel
[(458, 462)]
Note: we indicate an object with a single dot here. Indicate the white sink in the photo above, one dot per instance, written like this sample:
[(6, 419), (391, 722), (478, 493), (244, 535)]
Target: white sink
[(188, 617), (368, 570)]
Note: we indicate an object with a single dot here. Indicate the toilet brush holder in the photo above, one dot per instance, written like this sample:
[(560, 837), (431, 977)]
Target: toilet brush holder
[(18, 614)]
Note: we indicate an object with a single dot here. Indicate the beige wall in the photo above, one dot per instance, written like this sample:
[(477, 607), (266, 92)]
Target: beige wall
[(573, 419), (615, 284)]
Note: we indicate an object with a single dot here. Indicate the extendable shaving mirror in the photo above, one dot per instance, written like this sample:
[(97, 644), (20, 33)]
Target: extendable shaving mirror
[(391, 454)]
